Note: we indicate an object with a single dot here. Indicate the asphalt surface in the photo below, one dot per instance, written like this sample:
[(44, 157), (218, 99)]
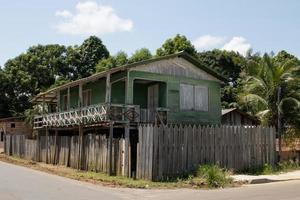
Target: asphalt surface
[(20, 183)]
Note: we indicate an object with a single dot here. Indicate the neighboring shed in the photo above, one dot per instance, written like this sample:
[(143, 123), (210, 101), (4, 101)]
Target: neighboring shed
[(13, 125), (234, 116)]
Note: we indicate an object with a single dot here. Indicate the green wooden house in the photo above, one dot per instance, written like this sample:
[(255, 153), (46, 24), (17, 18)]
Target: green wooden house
[(166, 90), (169, 89)]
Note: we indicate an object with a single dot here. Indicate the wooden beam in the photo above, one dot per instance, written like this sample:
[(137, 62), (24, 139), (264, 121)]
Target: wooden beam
[(80, 96), (47, 144), (58, 101), (126, 153), (55, 160), (80, 146), (111, 133), (68, 98), (108, 89), (44, 104)]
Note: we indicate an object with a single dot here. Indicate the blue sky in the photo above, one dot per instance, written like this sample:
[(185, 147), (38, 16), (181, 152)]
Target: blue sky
[(128, 25)]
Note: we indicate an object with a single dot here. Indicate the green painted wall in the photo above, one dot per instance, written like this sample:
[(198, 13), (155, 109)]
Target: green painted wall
[(169, 95), (73, 97), (141, 98), (213, 116), (98, 89), (118, 92)]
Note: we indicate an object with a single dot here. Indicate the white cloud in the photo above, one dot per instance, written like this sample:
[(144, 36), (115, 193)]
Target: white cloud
[(63, 13), (237, 44), (208, 42), (92, 19)]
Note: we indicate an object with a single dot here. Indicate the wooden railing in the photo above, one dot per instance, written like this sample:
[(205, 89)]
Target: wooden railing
[(89, 115), (156, 116)]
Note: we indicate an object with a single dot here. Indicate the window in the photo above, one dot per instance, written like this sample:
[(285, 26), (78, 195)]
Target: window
[(12, 125), (87, 96), (193, 97)]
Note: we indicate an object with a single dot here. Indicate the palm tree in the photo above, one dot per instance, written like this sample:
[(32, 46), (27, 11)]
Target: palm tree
[(270, 90)]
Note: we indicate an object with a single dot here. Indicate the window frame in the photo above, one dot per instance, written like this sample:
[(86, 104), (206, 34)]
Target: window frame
[(193, 107)]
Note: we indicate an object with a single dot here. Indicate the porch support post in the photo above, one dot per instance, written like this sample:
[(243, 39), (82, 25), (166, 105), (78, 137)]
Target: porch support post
[(47, 144), (55, 148), (80, 146), (44, 104), (58, 101), (108, 89), (80, 96), (68, 99), (111, 132), (126, 154)]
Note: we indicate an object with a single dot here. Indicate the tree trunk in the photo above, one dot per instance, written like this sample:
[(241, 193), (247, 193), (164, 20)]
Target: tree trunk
[(279, 128)]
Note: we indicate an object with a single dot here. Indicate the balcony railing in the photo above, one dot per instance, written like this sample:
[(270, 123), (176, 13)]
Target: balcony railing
[(89, 115), (101, 113)]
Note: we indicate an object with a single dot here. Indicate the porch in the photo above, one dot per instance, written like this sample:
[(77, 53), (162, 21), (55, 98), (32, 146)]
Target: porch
[(100, 114)]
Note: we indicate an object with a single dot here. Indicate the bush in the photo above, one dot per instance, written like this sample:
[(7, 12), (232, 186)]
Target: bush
[(288, 166), (214, 175)]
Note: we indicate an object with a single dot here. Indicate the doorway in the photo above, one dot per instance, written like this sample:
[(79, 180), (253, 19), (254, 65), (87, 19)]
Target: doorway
[(152, 101), (1, 136)]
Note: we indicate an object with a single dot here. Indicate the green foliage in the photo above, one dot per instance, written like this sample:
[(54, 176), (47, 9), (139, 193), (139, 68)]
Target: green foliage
[(287, 166), (140, 55), (42, 67), (267, 169), (214, 175), (175, 45), (112, 61), (262, 81), (4, 100), (230, 64), (90, 52)]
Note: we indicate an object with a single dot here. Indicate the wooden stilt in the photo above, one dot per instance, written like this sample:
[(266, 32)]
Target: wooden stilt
[(111, 132), (80, 147), (55, 160), (126, 154), (47, 144)]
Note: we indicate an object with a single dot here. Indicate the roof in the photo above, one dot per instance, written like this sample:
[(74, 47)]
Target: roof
[(7, 119), (47, 95), (225, 111), (229, 110)]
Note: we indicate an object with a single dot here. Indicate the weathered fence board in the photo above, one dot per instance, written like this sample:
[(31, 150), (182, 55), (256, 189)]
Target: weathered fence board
[(174, 150), (63, 150), (162, 152)]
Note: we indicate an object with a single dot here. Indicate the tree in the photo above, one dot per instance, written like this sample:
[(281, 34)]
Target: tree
[(112, 61), (121, 58), (175, 45), (4, 101), (105, 64), (140, 55), (228, 63), (87, 56), (33, 72), (269, 88)]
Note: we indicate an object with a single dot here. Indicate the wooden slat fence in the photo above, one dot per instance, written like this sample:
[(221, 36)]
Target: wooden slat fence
[(63, 150), (175, 150)]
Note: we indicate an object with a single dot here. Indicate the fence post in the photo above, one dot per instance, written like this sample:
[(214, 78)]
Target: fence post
[(111, 132), (126, 154)]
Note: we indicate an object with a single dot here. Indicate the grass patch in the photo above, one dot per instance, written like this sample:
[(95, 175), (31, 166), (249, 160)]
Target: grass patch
[(205, 180), (214, 175), (266, 169)]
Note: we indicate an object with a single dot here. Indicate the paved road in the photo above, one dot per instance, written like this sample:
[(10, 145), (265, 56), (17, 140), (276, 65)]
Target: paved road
[(19, 183)]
